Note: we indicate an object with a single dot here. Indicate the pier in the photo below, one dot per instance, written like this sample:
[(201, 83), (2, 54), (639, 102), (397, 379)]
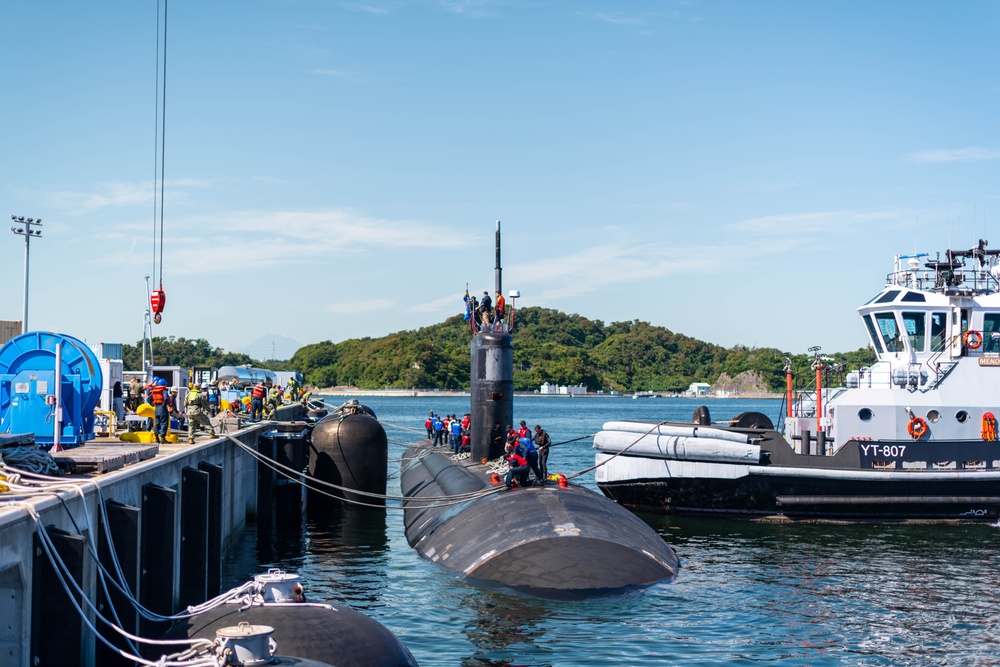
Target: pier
[(172, 518)]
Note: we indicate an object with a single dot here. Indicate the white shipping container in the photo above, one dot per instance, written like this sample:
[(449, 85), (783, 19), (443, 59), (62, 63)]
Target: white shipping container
[(111, 370), (107, 350)]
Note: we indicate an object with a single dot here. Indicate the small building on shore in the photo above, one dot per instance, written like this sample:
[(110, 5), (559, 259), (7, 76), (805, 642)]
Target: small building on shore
[(564, 390), (699, 389)]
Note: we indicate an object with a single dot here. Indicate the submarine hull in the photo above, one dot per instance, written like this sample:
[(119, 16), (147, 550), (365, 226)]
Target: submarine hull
[(340, 635), (548, 541)]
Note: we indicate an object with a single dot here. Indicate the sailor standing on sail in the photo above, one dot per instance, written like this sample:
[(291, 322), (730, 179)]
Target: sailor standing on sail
[(486, 309)]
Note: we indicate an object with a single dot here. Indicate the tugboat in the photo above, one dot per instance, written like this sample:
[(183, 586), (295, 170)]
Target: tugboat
[(911, 437)]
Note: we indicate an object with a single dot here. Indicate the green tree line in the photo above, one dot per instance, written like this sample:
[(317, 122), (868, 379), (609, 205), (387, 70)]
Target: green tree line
[(551, 346), (186, 353)]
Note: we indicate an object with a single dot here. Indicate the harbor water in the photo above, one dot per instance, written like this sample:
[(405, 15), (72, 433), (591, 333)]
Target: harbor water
[(747, 592)]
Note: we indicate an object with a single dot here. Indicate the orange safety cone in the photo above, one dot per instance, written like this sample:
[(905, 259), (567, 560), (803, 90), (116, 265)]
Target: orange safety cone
[(563, 484), (495, 479)]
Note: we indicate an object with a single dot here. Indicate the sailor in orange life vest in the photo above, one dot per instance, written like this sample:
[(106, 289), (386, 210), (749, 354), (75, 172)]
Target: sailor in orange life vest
[(501, 306), (158, 396), (257, 402)]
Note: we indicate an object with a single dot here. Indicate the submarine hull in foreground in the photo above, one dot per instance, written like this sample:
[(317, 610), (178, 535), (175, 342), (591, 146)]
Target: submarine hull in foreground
[(335, 634), (547, 541)]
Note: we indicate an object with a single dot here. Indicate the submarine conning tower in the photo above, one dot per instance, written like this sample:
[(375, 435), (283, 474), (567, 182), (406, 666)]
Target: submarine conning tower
[(492, 391)]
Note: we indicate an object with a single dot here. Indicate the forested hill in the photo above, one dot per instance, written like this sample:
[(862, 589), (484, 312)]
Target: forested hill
[(551, 346)]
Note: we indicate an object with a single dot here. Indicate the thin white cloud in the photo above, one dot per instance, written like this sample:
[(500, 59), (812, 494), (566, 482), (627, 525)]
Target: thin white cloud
[(223, 243), (447, 304), (110, 194), (812, 222), (477, 9), (971, 154), (366, 7), (334, 73), (591, 269), (358, 307), (615, 19)]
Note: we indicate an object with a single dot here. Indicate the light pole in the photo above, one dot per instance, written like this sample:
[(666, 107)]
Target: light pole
[(23, 227)]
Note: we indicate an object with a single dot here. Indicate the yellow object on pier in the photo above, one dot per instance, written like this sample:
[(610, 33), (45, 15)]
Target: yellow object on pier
[(144, 436)]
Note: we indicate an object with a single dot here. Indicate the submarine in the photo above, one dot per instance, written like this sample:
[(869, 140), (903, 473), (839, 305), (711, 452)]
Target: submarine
[(553, 541)]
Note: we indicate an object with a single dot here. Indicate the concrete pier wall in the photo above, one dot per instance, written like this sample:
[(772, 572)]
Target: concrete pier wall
[(65, 510)]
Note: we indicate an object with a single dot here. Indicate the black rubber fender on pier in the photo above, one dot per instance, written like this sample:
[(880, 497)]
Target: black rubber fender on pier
[(351, 451)]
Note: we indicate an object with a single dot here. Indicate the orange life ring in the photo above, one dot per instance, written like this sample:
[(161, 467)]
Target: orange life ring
[(972, 339), (916, 428)]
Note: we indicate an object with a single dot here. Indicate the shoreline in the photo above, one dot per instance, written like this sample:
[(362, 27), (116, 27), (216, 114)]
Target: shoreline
[(424, 393)]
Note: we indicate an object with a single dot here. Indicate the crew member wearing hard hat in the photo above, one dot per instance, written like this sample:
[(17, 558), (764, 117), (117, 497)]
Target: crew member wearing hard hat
[(257, 396), (197, 412), (158, 397)]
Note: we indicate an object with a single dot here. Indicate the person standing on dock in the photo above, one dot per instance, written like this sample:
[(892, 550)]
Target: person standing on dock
[(173, 409), (197, 412), (273, 401), (134, 394), (543, 442), (118, 402), (158, 397), (257, 402)]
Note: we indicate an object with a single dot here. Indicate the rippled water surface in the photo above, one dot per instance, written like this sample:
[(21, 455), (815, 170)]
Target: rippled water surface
[(747, 593)]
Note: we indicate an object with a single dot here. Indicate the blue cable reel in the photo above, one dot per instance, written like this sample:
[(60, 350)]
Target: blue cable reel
[(27, 387)]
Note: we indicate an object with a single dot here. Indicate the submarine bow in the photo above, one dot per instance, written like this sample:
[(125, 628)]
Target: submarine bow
[(539, 540)]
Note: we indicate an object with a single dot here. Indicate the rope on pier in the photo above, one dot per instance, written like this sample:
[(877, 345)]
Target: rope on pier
[(31, 459)]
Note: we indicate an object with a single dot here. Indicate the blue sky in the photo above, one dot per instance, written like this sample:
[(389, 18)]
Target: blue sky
[(740, 172)]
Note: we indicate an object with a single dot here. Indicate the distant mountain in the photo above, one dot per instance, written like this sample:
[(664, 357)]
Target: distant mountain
[(551, 346)]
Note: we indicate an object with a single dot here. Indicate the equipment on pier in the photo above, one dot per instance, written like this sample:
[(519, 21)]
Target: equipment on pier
[(245, 375), (34, 393)]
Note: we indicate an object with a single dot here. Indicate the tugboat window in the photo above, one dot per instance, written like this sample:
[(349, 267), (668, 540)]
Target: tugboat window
[(890, 332), (914, 297), (888, 296), (962, 416), (991, 332), (939, 323), (914, 325), (874, 336), (865, 414), (933, 416)]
